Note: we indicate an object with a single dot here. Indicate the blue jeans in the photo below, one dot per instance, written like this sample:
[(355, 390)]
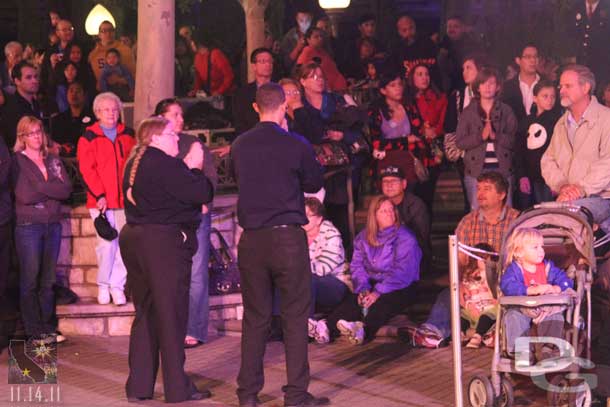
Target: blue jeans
[(600, 209), (471, 190), (38, 248), (326, 293), (199, 299), (517, 324), (440, 314)]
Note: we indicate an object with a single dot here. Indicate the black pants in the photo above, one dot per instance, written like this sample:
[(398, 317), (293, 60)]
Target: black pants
[(387, 306), (158, 262), (485, 322), (274, 257)]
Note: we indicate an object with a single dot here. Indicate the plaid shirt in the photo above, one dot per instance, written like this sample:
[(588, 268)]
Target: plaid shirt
[(474, 229)]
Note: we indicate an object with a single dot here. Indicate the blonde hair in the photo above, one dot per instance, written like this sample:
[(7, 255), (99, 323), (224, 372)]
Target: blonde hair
[(371, 220), (24, 126), (518, 240), (146, 130)]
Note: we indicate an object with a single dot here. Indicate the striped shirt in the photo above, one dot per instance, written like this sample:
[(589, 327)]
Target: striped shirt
[(326, 251), (491, 159)]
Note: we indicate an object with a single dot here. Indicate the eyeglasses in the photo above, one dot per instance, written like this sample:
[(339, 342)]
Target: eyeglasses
[(108, 110), (292, 92), (264, 61), (32, 133), (66, 30)]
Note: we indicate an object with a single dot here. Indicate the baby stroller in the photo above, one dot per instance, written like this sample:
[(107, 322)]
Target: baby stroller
[(568, 242)]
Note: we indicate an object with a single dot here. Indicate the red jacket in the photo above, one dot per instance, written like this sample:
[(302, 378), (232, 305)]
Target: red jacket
[(101, 163), (222, 73)]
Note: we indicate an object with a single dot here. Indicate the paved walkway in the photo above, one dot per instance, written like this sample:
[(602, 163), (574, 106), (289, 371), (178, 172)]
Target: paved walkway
[(92, 372)]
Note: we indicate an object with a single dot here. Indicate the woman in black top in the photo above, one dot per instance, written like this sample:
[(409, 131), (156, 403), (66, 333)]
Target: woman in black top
[(163, 203)]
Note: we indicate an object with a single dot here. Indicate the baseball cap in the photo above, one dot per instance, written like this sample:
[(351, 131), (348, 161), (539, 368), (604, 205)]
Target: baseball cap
[(391, 171)]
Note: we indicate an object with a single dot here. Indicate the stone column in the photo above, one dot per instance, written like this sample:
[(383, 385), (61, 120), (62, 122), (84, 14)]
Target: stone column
[(255, 28), (155, 64)]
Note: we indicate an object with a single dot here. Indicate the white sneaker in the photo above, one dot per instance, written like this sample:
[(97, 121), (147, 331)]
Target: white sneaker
[(118, 296), (321, 334), (353, 330), (103, 295)]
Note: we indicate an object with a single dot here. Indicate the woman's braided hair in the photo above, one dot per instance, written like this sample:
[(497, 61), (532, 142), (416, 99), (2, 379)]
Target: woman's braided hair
[(146, 130)]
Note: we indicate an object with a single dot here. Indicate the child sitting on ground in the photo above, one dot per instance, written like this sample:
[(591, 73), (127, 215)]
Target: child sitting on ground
[(116, 78), (478, 307), (528, 273)]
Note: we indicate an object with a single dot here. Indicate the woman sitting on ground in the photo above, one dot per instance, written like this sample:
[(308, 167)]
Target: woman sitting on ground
[(384, 267), (329, 280)]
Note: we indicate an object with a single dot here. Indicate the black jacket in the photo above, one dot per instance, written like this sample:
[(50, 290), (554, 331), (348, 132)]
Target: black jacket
[(16, 107), (6, 205), (512, 96), (273, 169), (165, 191), (244, 116)]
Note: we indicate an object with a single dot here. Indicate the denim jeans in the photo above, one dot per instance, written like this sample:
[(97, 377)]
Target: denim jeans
[(471, 191), (440, 314), (326, 293), (38, 248), (600, 209), (111, 272), (199, 299)]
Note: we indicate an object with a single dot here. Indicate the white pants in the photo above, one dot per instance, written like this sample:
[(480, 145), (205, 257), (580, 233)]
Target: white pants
[(111, 272)]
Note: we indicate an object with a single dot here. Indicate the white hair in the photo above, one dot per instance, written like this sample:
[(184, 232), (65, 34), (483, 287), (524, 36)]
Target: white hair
[(584, 75), (106, 96), (11, 46)]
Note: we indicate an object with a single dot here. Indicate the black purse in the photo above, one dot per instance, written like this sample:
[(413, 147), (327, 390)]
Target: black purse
[(224, 273), (103, 228)]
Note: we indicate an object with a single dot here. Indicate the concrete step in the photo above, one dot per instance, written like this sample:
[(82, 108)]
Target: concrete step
[(87, 317)]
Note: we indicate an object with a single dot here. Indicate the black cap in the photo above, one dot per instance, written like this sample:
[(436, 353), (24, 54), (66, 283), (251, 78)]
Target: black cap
[(391, 171)]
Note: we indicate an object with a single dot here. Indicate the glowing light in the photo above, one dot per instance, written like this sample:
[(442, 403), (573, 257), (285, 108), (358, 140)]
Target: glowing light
[(97, 15), (326, 4)]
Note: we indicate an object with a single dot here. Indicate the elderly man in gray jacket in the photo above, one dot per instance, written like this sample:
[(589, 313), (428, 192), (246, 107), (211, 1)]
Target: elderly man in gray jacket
[(576, 165)]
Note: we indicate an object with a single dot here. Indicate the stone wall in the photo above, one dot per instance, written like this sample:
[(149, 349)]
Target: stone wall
[(77, 261)]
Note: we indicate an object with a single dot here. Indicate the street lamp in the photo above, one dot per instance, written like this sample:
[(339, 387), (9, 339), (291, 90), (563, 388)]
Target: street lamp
[(97, 16), (334, 4)]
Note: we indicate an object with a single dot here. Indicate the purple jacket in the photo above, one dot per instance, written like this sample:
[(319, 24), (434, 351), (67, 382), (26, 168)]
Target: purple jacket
[(389, 267)]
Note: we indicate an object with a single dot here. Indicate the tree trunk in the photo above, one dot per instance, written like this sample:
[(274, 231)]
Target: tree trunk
[(155, 64), (255, 28)]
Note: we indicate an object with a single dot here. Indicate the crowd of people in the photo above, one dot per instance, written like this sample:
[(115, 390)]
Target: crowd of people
[(302, 147)]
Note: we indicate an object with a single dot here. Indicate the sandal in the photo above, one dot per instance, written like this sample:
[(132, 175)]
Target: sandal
[(190, 342)]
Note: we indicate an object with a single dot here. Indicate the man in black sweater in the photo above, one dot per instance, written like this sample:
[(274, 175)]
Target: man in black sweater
[(273, 169), (244, 116)]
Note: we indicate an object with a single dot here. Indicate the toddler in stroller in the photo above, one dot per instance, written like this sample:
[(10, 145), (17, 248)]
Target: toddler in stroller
[(528, 273)]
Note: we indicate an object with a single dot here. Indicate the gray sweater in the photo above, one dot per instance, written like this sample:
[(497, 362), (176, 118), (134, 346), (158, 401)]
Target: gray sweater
[(38, 200)]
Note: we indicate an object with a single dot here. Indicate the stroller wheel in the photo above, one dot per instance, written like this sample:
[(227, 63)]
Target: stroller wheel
[(507, 397), (569, 392), (480, 392)]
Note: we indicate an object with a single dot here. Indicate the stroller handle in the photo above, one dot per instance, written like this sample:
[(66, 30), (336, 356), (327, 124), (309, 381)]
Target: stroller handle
[(564, 205)]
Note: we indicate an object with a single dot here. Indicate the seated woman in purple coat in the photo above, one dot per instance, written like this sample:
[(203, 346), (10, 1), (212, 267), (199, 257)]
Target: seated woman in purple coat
[(384, 267)]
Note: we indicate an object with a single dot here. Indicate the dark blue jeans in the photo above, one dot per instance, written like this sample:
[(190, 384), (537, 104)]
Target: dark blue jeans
[(199, 299), (38, 248), (326, 293)]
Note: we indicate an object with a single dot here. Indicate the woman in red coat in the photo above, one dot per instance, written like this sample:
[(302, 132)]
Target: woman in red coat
[(315, 49), (423, 95), (102, 152), (222, 77)]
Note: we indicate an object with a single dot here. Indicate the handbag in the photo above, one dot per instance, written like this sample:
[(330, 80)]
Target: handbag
[(330, 154), (223, 271), (420, 169), (452, 152)]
